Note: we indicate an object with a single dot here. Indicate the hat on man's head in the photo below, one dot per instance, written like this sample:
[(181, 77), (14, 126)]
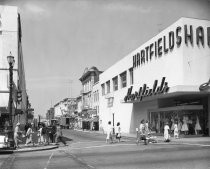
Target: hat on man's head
[(18, 124)]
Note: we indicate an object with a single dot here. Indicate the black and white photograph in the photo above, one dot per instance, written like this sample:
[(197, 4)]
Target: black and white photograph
[(104, 84)]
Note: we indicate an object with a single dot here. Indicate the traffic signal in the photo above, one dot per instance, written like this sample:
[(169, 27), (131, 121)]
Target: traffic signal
[(19, 96)]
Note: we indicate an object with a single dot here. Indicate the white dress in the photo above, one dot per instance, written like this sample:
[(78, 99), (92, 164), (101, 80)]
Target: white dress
[(176, 131), (184, 126), (197, 125), (166, 134), (109, 132)]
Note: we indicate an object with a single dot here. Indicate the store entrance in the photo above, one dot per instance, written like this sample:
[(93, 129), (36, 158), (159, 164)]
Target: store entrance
[(190, 122)]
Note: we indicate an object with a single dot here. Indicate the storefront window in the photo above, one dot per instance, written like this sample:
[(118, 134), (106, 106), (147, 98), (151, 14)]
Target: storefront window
[(190, 122)]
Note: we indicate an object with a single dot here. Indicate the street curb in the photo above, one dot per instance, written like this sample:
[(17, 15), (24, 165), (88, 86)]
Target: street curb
[(34, 149)]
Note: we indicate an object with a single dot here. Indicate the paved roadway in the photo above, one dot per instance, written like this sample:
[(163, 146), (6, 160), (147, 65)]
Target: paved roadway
[(89, 151)]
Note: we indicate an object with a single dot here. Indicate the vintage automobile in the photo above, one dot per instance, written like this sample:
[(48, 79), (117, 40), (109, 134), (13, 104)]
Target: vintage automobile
[(3, 141)]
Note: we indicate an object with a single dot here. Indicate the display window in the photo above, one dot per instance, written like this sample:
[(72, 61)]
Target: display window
[(189, 122)]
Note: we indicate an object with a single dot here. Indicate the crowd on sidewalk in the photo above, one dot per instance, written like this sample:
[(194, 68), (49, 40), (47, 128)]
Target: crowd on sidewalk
[(43, 136), (143, 132)]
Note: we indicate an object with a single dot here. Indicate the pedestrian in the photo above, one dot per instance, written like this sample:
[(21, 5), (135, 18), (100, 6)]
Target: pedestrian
[(44, 133), (166, 132), (53, 133), (147, 129), (142, 132), (176, 130), (59, 135), (118, 132), (109, 133), (29, 135), (17, 133), (40, 135)]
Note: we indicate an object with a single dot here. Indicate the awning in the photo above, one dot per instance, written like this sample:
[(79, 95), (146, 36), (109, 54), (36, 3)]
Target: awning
[(176, 108)]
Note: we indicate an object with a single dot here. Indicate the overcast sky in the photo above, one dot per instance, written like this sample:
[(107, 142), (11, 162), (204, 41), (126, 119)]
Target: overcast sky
[(63, 37)]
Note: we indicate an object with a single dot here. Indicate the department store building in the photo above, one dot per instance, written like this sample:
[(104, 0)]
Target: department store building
[(164, 80)]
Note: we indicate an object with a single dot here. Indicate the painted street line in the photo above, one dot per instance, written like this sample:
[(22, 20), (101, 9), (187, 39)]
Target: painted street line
[(190, 144), (48, 161), (110, 145), (131, 144)]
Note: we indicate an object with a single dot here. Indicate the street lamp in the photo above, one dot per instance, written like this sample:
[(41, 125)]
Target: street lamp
[(11, 62)]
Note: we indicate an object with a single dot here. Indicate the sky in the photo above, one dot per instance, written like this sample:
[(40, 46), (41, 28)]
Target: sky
[(60, 38)]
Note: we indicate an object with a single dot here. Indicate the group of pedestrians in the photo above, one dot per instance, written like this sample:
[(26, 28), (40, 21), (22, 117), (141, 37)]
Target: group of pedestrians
[(167, 131), (45, 134), (113, 132)]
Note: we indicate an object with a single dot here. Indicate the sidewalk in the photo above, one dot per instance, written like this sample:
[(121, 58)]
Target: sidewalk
[(28, 148), (181, 140)]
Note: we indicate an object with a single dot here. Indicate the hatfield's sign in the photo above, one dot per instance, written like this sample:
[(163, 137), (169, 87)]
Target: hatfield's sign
[(145, 91), (173, 38)]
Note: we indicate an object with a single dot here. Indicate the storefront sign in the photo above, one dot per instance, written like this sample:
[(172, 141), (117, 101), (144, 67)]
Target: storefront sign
[(145, 91), (173, 38), (205, 86)]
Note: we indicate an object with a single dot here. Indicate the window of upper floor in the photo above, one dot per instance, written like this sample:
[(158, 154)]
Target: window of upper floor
[(123, 79), (131, 76), (103, 89), (108, 86), (115, 83)]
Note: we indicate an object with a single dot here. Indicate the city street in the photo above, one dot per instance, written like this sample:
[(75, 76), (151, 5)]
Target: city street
[(89, 150)]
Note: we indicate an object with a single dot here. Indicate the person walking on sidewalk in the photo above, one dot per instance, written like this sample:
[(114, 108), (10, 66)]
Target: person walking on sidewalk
[(142, 133), (59, 135), (40, 135), (166, 132), (118, 132), (176, 130), (29, 135), (17, 133), (109, 133)]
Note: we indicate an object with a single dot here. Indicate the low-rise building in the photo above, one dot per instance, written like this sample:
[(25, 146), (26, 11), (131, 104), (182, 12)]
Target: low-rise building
[(164, 80)]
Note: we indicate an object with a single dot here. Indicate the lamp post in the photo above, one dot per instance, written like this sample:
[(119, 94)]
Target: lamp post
[(11, 62)]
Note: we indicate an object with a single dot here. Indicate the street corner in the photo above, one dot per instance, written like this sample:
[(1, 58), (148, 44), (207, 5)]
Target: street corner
[(35, 148), (6, 151)]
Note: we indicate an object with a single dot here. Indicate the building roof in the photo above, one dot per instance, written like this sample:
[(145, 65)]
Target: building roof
[(88, 72)]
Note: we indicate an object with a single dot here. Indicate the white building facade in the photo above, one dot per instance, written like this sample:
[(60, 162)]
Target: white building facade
[(10, 41), (162, 81)]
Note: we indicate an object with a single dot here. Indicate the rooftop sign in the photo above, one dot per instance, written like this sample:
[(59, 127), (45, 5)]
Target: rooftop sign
[(172, 39)]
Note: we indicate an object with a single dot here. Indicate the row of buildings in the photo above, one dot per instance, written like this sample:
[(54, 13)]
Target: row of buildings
[(10, 44), (165, 79)]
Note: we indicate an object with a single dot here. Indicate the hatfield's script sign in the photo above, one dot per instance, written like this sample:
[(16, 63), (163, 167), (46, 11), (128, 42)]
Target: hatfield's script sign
[(145, 91)]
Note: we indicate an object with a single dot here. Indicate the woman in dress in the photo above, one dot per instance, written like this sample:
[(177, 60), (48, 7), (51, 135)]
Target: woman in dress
[(40, 135), (109, 133), (197, 126), (179, 126), (17, 132), (185, 126), (29, 135), (118, 132), (176, 130), (166, 132)]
